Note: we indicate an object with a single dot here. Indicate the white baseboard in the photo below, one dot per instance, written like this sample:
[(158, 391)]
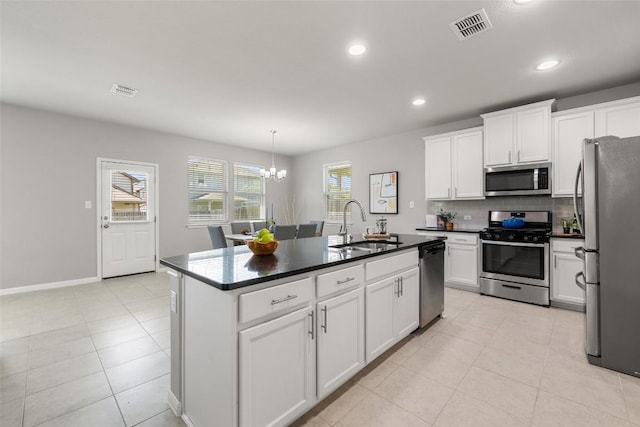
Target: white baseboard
[(174, 404), (52, 285), (187, 420)]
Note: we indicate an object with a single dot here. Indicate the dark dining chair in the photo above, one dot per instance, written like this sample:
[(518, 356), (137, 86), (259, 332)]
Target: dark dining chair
[(217, 236), (306, 230), (259, 225), (237, 227), (285, 232), (319, 227)]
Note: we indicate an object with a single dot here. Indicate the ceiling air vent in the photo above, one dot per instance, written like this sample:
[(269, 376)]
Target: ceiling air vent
[(471, 25), (124, 91)]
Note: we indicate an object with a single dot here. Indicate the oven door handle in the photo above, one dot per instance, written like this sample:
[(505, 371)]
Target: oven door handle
[(493, 242)]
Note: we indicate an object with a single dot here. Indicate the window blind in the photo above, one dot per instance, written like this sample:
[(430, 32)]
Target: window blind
[(207, 180), (337, 191), (248, 191)]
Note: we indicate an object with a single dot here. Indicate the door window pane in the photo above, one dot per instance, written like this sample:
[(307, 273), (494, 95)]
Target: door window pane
[(523, 261), (129, 197), (337, 189)]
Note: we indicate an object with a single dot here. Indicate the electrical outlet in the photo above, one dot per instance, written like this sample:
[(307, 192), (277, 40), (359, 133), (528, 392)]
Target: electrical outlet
[(87, 204), (412, 205), (467, 217)]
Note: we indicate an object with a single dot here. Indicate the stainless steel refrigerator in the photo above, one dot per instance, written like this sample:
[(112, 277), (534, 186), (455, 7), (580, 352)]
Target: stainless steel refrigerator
[(609, 216)]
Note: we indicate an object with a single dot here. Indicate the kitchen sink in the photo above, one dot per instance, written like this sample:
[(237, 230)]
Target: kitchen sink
[(368, 245)]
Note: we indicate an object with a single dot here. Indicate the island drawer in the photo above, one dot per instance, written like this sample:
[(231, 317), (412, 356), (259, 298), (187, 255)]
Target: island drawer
[(392, 264), (338, 280), (277, 298)]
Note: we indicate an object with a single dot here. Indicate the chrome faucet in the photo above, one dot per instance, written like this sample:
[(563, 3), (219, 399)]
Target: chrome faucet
[(343, 228)]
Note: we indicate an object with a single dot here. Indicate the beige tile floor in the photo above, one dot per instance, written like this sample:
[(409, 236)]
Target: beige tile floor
[(98, 355)]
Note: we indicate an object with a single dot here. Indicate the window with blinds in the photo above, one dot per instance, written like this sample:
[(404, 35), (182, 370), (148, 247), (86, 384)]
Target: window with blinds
[(248, 187), (207, 190), (337, 189)]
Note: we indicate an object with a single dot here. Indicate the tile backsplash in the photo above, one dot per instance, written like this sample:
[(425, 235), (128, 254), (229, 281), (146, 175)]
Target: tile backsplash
[(478, 209)]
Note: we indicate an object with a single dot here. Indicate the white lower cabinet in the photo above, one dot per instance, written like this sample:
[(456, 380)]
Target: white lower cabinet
[(340, 339), (277, 369), (392, 311), (565, 265), (461, 258), (461, 264)]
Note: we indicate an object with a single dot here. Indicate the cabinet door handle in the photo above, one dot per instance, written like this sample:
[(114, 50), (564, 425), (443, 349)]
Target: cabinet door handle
[(449, 192), (555, 262), (287, 298), (518, 156), (324, 319), (509, 156), (396, 281), (312, 332), (401, 286), (347, 280), (455, 191)]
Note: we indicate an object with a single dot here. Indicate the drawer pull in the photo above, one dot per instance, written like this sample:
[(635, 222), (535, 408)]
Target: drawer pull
[(312, 332), (511, 287), (287, 298), (347, 280)]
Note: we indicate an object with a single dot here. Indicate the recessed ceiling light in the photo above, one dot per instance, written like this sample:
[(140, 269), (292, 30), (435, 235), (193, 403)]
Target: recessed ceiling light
[(419, 101), (522, 1), (547, 64), (357, 49)]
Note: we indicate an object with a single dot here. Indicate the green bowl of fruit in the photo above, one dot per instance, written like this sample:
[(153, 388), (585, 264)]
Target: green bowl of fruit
[(263, 244)]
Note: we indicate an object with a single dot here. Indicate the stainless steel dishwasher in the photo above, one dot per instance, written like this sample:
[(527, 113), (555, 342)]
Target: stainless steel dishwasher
[(431, 282)]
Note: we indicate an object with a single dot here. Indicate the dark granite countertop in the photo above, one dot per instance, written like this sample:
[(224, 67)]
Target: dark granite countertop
[(562, 235), (236, 267), (457, 230)]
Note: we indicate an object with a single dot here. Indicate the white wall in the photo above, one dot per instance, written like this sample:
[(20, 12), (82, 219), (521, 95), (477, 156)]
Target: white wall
[(48, 170)]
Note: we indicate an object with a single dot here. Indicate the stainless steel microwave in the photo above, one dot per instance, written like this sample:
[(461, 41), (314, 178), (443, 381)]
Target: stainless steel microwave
[(518, 180)]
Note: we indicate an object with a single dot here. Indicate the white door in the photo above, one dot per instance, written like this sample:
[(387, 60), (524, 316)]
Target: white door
[(468, 181), (461, 264), (533, 135), (340, 339), (277, 370), (438, 168), (568, 133), (379, 314), (499, 134), (128, 215), (407, 305)]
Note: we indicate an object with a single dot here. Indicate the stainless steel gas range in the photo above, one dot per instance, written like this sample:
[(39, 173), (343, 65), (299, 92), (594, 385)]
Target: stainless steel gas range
[(515, 261)]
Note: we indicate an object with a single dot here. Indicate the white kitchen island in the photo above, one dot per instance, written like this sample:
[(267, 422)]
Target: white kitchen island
[(259, 341)]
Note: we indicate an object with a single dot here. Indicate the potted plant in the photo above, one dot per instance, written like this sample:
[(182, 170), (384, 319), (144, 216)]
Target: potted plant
[(447, 218)]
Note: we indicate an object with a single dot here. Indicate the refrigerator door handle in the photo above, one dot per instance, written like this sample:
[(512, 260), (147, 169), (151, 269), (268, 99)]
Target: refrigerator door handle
[(581, 284), (575, 196)]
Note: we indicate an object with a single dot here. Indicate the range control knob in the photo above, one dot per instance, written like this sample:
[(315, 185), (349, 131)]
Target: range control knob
[(535, 238), (496, 236), (526, 238), (511, 236)]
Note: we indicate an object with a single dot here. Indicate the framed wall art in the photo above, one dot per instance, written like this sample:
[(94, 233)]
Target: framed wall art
[(383, 193)]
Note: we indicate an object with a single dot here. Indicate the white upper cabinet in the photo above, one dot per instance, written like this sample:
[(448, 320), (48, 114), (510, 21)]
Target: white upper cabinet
[(453, 165), (622, 120), (570, 127), (518, 135), (569, 130)]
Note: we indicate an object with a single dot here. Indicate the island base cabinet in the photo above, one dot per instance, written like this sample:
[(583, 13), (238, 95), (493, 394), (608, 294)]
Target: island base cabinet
[(393, 306), (340, 340), (277, 370)]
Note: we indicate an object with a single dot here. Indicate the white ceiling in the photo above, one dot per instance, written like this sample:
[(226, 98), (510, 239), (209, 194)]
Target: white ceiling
[(229, 71)]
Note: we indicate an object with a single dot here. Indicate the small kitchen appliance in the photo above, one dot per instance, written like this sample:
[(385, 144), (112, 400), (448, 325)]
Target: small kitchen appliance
[(515, 261)]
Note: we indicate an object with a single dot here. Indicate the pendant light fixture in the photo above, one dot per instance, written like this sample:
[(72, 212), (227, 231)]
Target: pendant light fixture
[(273, 174)]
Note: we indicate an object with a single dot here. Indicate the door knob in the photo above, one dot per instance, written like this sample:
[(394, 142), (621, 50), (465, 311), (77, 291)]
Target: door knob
[(106, 226)]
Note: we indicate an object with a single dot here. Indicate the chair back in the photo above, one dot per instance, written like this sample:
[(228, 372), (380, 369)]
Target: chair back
[(259, 225), (285, 232), (306, 230), (319, 226), (217, 236), (237, 227)]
